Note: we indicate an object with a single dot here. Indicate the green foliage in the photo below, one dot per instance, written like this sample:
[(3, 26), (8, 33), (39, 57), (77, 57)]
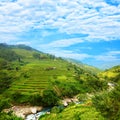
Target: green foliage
[(70, 88), (7, 54), (112, 74), (35, 99), (49, 98), (36, 56), (94, 84), (5, 81), (4, 103), (75, 112), (16, 97), (3, 64), (108, 104), (82, 97), (31, 72), (9, 116), (57, 109)]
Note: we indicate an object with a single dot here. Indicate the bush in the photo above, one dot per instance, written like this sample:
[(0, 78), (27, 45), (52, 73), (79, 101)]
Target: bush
[(16, 96), (82, 97), (36, 99), (108, 104), (9, 116), (4, 103), (5, 81), (49, 98), (57, 109)]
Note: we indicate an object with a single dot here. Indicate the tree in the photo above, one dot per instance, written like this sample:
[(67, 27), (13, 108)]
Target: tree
[(37, 55), (5, 81), (49, 98), (108, 104)]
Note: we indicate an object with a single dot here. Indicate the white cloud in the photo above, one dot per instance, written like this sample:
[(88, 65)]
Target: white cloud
[(63, 43), (25, 43), (109, 56), (69, 54), (96, 18)]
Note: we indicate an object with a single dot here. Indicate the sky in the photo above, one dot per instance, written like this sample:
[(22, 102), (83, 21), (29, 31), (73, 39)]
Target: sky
[(85, 30)]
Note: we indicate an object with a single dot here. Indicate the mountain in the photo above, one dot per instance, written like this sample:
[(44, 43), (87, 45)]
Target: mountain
[(108, 102), (86, 67), (112, 74), (104, 105), (31, 72), (31, 77)]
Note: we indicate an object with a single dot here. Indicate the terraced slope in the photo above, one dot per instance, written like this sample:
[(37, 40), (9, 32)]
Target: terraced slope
[(33, 72), (112, 74), (36, 76), (74, 112)]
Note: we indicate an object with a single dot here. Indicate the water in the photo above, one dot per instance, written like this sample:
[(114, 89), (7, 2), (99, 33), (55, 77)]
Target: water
[(37, 115), (43, 112)]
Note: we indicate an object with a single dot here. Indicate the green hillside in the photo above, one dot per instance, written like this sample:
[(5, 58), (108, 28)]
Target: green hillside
[(74, 112), (31, 77), (104, 105), (86, 67), (34, 71), (108, 102), (112, 74)]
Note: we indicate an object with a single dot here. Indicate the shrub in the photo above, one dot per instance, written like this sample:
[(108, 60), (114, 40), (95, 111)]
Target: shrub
[(36, 99), (4, 103), (9, 116), (49, 98)]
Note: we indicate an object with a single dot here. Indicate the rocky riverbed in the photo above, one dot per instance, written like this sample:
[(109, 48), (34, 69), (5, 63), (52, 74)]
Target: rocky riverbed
[(23, 111)]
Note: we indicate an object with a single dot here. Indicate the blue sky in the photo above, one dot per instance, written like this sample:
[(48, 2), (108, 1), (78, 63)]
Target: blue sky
[(85, 30)]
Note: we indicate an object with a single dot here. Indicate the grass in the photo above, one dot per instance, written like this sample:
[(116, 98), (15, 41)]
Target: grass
[(35, 76), (75, 112)]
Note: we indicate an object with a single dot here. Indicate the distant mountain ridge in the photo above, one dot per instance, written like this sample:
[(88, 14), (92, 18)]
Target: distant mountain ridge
[(34, 68), (85, 66), (22, 46), (31, 77)]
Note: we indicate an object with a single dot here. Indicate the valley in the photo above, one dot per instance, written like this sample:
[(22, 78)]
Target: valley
[(32, 78)]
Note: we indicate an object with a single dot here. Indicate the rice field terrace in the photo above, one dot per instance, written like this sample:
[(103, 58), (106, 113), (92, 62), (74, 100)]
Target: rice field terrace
[(37, 76)]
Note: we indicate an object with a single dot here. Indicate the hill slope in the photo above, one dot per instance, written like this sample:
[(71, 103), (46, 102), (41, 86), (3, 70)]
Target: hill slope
[(28, 76), (112, 74), (104, 105), (108, 102), (86, 67), (32, 72)]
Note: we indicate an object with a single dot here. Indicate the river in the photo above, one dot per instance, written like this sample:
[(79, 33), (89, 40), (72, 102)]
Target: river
[(42, 112), (37, 115)]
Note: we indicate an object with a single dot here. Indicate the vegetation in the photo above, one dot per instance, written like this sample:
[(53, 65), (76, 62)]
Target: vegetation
[(74, 112), (108, 102), (9, 116), (28, 76)]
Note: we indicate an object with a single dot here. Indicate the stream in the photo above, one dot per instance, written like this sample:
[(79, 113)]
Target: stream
[(37, 115), (42, 112)]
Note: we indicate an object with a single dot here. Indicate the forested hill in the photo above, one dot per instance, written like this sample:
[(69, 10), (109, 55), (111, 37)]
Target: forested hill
[(108, 103), (104, 105), (26, 70), (31, 77), (112, 74), (87, 67)]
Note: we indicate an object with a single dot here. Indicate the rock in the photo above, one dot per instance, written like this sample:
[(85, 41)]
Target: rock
[(33, 110), (22, 111), (48, 113), (65, 104)]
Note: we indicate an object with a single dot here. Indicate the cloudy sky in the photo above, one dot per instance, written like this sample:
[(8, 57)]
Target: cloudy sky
[(85, 30)]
